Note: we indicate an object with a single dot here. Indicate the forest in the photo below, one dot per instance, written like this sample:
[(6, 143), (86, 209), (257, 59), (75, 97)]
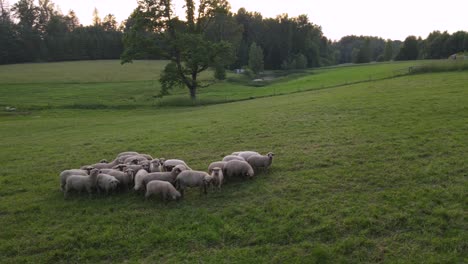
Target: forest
[(31, 32)]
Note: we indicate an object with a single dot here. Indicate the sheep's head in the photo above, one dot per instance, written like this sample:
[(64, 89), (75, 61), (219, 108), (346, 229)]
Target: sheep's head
[(155, 162), (178, 169), (114, 183), (208, 179), (94, 172), (103, 161), (130, 172), (215, 171), (271, 154), (146, 167), (88, 169), (134, 161), (176, 196)]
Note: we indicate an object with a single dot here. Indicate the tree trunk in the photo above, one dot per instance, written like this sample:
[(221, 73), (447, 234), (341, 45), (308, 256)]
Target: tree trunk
[(193, 93)]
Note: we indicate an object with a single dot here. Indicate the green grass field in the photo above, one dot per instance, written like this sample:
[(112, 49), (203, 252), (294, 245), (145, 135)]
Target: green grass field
[(373, 172)]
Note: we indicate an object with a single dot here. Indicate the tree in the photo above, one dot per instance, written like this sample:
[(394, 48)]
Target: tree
[(189, 50), (256, 63), (109, 23), (409, 50), (96, 18), (388, 52)]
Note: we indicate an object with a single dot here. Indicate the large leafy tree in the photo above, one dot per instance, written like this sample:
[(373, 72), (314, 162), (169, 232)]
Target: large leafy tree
[(186, 42)]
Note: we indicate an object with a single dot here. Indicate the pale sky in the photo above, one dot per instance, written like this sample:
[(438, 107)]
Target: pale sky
[(394, 19)]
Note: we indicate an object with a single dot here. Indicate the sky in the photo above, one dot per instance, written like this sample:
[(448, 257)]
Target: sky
[(395, 19)]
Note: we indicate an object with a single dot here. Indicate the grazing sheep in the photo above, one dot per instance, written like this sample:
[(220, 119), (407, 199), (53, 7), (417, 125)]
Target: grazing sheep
[(218, 177), (162, 188), (190, 178), (246, 154), (81, 182), (106, 182), (66, 173), (136, 159), (139, 178), (127, 153), (232, 157), (125, 177), (169, 164), (237, 168), (219, 164), (161, 176), (155, 165), (257, 161)]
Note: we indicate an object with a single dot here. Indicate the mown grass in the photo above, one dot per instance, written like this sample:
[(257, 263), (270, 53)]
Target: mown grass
[(441, 66), (107, 84), (371, 172)]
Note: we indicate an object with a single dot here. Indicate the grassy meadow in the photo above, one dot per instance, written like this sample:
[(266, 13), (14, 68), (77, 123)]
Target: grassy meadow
[(367, 169)]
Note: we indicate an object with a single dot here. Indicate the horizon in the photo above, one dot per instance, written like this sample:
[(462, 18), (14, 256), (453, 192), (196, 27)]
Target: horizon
[(357, 15)]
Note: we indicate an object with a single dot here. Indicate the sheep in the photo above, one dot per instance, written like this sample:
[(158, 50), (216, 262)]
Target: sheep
[(147, 156), (258, 161), (232, 157), (127, 153), (219, 164), (125, 178), (245, 154), (81, 182), (190, 178), (106, 182), (237, 168), (66, 173), (165, 189), (171, 163), (155, 165), (161, 176), (122, 167), (136, 159), (139, 178), (218, 177), (103, 161)]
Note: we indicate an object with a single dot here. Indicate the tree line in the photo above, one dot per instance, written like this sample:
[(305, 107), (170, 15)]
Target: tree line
[(32, 33)]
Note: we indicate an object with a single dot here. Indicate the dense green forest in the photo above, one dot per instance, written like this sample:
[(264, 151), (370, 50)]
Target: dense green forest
[(31, 32)]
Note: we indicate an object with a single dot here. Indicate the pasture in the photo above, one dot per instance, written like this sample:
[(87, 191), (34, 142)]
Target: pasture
[(368, 172)]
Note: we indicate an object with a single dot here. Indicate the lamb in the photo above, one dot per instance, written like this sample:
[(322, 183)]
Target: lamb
[(66, 173), (190, 178), (169, 164), (139, 178), (245, 154), (219, 164), (218, 177), (81, 182), (165, 189), (232, 157), (125, 178), (106, 182), (237, 168), (258, 161), (161, 176)]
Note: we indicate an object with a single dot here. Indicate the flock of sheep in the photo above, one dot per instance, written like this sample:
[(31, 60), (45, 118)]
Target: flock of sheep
[(160, 177)]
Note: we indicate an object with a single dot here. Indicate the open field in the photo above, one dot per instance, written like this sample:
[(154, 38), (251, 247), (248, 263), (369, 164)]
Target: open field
[(363, 173), (107, 84)]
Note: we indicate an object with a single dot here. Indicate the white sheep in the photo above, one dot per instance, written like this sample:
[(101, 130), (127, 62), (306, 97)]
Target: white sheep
[(162, 188), (155, 165), (139, 178), (190, 178), (136, 159), (66, 173), (257, 161), (106, 182), (245, 154), (232, 157), (219, 164), (160, 176), (171, 163), (218, 177), (81, 182), (125, 177), (122, 167), (237, 168)]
